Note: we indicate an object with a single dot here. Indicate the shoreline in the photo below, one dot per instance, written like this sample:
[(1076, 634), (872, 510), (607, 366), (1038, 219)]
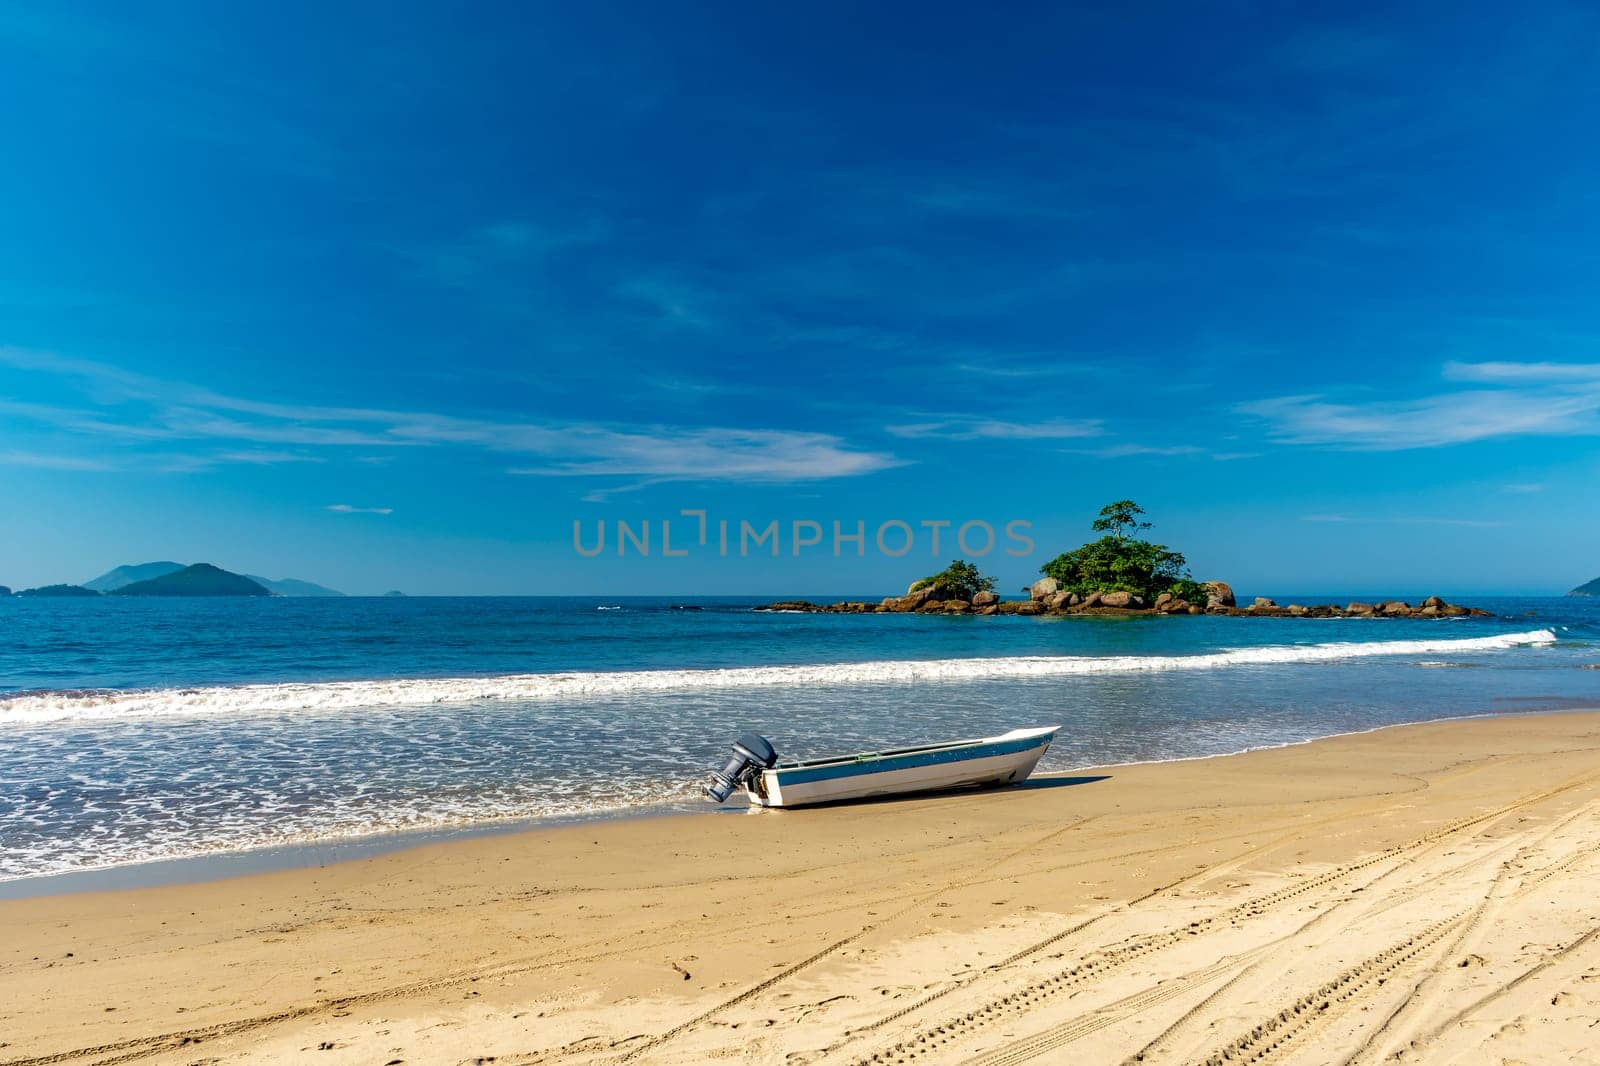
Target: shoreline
[(329, 852), (1171, 907)]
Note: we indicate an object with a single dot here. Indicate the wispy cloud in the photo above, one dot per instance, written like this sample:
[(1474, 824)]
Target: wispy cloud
[(269, 458), (1401, 520), (1524, 488), (1123, 451), (1522, 373), (345, 508), (1533, 399), (51, 462), (144, 408), (991, 429), (721, 454)]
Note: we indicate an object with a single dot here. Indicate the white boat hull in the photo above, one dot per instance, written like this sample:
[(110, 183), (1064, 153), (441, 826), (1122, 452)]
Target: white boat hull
[(1004, 760)]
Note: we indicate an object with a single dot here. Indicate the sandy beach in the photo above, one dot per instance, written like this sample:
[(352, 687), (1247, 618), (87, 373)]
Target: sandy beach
[(1421, 893)]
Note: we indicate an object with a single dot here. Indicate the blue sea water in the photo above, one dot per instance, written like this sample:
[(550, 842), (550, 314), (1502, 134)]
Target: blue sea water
[(134, 730)]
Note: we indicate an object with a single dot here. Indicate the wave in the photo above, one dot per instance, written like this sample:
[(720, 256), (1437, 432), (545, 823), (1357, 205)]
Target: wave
[(35, 707)]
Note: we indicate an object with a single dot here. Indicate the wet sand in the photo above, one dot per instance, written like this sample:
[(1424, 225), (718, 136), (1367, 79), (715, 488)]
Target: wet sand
[(1422, 893)]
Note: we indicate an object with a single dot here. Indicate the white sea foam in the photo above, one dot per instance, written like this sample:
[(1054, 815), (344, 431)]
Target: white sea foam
[(38, 707)]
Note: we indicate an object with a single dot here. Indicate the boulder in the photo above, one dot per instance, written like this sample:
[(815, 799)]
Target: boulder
[(1193, 609), (1434, 601), (931, 605), (1430, 611), (991, 608), (1174, 606), (1297, 609), (984, 599), (956, 606), (1361, 609), (1074, 600), (1162, 601), (1121, 599), (1028, 607), (1262, 601), (1396, 607), (1219, 594), (1057, 601), (1094, 599), (1044, 587), (913, 600)]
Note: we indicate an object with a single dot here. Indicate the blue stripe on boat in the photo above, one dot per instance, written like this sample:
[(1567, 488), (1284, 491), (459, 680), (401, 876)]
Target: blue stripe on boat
[(800, 775)]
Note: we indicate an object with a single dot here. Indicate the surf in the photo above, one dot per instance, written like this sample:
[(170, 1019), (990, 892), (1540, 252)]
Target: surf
[(79, 705)]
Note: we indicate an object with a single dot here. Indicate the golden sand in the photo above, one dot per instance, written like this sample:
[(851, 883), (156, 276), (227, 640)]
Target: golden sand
[(1424, 893)]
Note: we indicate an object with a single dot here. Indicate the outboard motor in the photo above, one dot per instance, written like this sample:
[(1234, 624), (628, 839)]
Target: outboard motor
[(752, 753)]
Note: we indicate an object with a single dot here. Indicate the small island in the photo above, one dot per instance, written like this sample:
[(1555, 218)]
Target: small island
[(1590, 589), (58, 592), (1118, 574)]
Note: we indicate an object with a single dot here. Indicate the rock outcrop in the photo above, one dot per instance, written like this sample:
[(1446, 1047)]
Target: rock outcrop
[(1047, 597)]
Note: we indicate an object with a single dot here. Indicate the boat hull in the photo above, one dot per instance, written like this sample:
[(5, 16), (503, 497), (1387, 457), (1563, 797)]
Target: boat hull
[(993, 761)]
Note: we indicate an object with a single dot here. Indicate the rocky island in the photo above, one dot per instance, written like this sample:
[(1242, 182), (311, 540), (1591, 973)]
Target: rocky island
[(1118, 574)]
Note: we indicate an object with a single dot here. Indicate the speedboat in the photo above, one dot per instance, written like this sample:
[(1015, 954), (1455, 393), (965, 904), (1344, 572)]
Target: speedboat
[(987, 762)]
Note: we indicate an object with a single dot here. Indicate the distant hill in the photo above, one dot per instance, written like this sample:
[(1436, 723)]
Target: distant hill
[(394, 592), (1591, 589), (201, 579), (59, 590), (112, 580), (290, 586), (133, 573), (4, 591)]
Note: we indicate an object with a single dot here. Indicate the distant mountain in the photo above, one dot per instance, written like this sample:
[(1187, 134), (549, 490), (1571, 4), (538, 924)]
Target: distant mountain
[(59, 590), (112, 580), (394, 592), (134, 573), (293, 587), (201, 579), (1591, 589), (4, 591)]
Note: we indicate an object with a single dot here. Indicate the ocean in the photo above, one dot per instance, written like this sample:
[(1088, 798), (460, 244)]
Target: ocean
[(140, 730)]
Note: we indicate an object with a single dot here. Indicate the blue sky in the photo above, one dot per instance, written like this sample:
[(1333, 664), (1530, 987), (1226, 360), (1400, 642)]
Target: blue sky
[(392, 296)]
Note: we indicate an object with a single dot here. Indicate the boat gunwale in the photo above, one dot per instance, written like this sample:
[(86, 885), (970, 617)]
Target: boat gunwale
[(1044, 733)]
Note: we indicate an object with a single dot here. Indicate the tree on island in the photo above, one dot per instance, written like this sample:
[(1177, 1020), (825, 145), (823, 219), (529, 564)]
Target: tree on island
[(1120, 519), (958, 581), (1119, 562)]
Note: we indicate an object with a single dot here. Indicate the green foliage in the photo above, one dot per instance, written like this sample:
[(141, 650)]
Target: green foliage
[(1192, 591), (958, 581), (1118, 563)]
